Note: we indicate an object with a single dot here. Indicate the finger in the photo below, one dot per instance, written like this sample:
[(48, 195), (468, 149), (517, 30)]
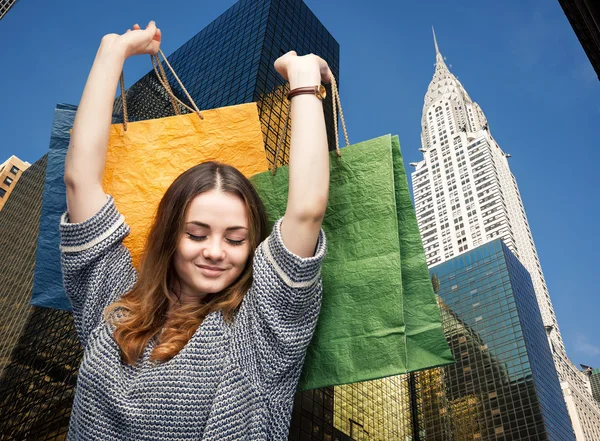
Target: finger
[(136, 27), (157, 35), (127, 31), (151, 25)]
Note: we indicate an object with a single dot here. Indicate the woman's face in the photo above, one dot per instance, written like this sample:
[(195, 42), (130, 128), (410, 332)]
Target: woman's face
[(213, 247)]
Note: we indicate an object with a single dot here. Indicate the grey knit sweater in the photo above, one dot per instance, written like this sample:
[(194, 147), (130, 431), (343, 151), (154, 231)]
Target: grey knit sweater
[(230, 382)]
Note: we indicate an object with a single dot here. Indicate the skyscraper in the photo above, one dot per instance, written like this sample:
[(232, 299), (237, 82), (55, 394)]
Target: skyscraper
[(504, 383), (39, 350), (5, 5), (595, 384), (230, 62), (584, 16), (465, 196), (19, 226)]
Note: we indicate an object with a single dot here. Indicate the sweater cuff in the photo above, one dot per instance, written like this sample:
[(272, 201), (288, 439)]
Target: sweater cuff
[(295, 271), (77, 237)]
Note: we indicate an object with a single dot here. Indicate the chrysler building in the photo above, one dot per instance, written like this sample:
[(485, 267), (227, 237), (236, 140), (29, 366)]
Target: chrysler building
[(465, 196)]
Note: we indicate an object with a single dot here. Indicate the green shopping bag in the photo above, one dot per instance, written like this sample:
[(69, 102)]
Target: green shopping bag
[(379, 314)]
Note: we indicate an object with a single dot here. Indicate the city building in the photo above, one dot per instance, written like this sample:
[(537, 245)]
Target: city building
[(38, 346), (465, 196), (374, 410), (595, 383), (5, 5), (504, 384), (10, 172), (584, 16), (231, 62)]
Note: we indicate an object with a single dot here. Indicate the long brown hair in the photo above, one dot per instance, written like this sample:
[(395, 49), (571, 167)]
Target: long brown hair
[(143, 313)]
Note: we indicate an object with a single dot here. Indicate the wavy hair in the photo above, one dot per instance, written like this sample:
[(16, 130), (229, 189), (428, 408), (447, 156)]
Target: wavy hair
[(143, 313)]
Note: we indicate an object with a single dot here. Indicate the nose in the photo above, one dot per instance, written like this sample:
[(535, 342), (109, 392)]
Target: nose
[(213, 250)]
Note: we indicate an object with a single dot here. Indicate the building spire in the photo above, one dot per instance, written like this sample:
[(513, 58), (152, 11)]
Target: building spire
[(439, 58), (443, 83), (437, 49)]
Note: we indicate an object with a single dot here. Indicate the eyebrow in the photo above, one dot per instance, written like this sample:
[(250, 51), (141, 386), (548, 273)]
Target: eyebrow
[(201, 224)]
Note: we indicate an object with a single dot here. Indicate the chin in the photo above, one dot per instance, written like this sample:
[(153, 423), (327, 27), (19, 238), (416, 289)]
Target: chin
[(210, 287)]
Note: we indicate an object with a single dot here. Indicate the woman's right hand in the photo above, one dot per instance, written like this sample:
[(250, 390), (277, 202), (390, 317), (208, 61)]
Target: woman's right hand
[(136, 41)]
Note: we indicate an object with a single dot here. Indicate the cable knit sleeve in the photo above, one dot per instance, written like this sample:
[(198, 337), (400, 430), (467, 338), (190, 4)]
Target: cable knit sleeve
[(278, 316), (96, 267)]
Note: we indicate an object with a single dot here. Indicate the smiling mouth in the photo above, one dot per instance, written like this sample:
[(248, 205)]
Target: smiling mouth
[(210, 271), (211, 268)]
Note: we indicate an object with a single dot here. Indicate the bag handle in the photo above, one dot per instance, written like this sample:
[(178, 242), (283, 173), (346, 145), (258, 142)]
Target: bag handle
[(335, 101), (336, 95), (162, 78)]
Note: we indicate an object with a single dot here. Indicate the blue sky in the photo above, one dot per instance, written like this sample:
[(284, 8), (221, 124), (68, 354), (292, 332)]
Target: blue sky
[(519, 59)]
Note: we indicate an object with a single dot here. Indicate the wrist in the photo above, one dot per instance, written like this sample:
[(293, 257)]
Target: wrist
[(305, 76), (304, 82), (111, 48)]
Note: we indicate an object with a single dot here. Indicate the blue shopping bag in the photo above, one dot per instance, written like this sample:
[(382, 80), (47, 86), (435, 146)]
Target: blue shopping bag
[(48, 289)]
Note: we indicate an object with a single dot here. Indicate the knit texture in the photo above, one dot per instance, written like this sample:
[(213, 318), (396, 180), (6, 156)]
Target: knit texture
[(232, 381)]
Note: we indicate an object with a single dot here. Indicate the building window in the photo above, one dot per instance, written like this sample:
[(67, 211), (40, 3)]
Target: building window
[(2, 192), (14, 170), (8, 180)]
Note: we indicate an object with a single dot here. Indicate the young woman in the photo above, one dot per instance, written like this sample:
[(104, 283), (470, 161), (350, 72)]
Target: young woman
[(207, 342)]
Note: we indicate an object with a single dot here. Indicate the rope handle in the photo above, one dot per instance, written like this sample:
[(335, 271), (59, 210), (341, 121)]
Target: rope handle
[(162, 78), (336, 103)]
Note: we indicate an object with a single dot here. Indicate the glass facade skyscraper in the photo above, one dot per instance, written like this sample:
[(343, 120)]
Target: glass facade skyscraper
[(231, 62), (39, 350), (5, 5), (595, 384), (504, 384)]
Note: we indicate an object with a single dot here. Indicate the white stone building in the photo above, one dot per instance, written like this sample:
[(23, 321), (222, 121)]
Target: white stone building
[(465, 195)]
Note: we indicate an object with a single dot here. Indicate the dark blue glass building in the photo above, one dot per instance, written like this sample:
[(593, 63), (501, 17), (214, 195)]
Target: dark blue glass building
[(231, 62), (504, 385)]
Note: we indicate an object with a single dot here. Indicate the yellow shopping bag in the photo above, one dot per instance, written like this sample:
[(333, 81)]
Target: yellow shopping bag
[(145, 157)]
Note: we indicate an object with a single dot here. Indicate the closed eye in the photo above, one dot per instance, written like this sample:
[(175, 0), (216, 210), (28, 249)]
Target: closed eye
[(236, 242), (230, 241), (196, 238)]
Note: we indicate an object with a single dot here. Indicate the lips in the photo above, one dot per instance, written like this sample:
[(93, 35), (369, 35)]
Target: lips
[(212, 268), (211, 271)]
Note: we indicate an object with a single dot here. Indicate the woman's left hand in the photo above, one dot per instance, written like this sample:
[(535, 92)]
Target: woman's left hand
[(305, 70)]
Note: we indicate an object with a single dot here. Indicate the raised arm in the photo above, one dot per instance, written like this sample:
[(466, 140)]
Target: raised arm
[(309, 156), (84, 164)]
